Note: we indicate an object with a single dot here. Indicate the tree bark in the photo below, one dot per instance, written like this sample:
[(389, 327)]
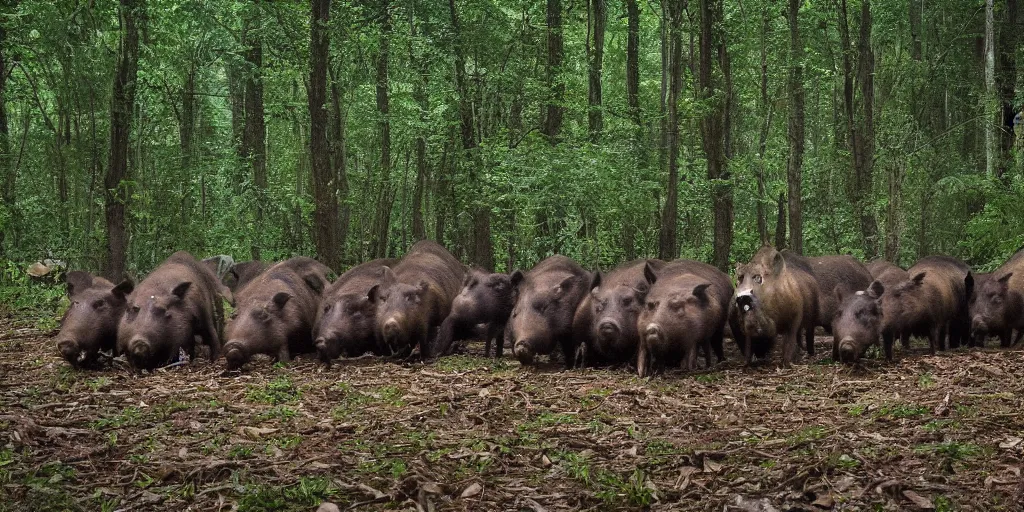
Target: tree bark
[(780, 223), (422, 98), (1006, 80), (915, 8), (865, 155), (668, 247), (339, 154), (254, 137), (714, 125), (990, 91), (766, 112), (383, 228), (482, 250), (633, 62), (6, 169), (597, 19), (794, 167), (325, 194), (122, 105), (556, 87)]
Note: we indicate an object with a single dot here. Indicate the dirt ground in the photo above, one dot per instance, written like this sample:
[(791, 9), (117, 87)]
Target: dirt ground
[(470, 433)]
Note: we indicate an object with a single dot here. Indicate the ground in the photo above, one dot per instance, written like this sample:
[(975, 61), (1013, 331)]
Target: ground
[(471, 433)]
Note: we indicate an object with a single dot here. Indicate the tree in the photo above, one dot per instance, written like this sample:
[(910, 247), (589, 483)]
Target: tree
[(325, 198), (6, 169), (597, 15), (382, 229), (715, 89), (668, 247), (556, 87), (254, 136), (122, 104), (794, 169)]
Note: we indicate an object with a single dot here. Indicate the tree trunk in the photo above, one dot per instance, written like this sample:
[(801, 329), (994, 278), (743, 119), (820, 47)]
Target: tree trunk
[(794, 168), (422, 98), (122, 106), (865, 154), (990, 91), (254, 137), (556, 87), (325, 198), (766, 112), (713, 125), (916, 7), (597, 18), (633, 62), (383, 228), (1006, 81), (482, 253), (339, 154), (6, 169), (780, 223), (668, 247)]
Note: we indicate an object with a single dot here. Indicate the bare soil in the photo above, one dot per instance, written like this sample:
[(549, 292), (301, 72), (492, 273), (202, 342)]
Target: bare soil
[(471, 433)]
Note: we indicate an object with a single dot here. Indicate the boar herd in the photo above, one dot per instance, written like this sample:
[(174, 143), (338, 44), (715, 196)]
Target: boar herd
[(648, 313)]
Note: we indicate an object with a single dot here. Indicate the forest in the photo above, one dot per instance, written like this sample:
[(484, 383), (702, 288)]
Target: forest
[(508, 130)]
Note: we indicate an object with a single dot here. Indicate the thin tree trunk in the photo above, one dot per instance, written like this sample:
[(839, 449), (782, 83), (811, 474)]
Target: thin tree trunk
[(766, 112), (6, 169), (122, 106), (866, 153), (633, 62), (990, 90), (556, 87), (339, 154), (1006, 81), (916, 7), (383, 228), (780, 223), (420, 95), (668, 241), (254, 138), (597, 18), (794, 169), (714, 125), (325, 194)]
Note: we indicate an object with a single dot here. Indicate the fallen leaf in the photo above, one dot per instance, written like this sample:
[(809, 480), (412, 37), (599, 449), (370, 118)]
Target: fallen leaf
[(473, 490), (432, 488), (182, 452), (943, 408), (1010, 442), (920, 501), (711, 466), (545, 461), (844, 483), (536, 507), (328, 507), (484, 393), (257, 432), (824, 501)]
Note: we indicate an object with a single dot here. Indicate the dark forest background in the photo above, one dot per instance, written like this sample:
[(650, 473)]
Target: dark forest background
[(508, 129)]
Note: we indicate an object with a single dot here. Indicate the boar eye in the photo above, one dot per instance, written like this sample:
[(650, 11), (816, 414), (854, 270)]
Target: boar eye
[(758, 279), (651, 306), (98, 303), (134, 309), (327, 307), (628, 301)]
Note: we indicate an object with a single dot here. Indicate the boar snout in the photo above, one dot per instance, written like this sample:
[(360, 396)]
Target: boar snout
[(523, 351)]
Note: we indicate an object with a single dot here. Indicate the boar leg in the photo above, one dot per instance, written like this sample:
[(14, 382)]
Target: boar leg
[(888, 339), (642, 358), (283, 355), (790, 343), (935, 338), (1004, 338), (1017, 339), (690, 357), (497, 333), (905, 340), (717, 342), (208, 332), (810, 341)]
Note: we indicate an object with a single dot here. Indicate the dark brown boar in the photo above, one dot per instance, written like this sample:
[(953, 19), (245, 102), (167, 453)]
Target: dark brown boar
[(545, 303), (176, 303), (686, 306), (841, 272), (242, 273), (414, 298), (90, 323), (275, 313), (877, 267), (485, 299), (788, 294), (932, 303), (220, 265), (997, 307), (857, 324), (604, 325), (347, 317)]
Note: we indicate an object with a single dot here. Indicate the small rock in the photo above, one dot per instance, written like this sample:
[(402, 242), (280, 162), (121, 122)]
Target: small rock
[(328, 507), (474, 489)]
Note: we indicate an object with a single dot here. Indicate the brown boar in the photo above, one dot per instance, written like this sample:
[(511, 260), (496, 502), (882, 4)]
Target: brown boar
[(275, 313), (604, 324), (788, 293), (997, 307), (687, 306), (347, 317), (168, 310), (857, 324), (831, 273), (414, 298), (485, 299), (242, 273), (545, 303), (932, 303), (877, 267), (90, 323)]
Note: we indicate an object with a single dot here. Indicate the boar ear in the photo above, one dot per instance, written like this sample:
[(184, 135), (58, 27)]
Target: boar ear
[(1005, 280), (281, 298), (876, 290), (315, 283), (387, 277), (181, 289), (841, 292), (701, 292), (778, 263), (123, 289), (516, 278), (918, 279), (424, 286), (566, 283), (467, 274), (649, 273), (969, 284), (595, 281), (77, 282), (374, 293)]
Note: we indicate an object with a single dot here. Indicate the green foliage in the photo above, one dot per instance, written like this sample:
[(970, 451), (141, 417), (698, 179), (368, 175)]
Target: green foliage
[(276, 392)]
